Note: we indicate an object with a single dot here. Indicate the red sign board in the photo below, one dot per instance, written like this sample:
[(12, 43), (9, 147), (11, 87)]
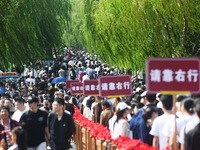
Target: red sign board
[(68, 83), (115, 85), (173, 74), (76, 88), (90, 87)]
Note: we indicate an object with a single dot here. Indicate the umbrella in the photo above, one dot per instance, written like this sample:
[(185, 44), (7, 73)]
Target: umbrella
[(2, 90), (89, 72), (58, 80)]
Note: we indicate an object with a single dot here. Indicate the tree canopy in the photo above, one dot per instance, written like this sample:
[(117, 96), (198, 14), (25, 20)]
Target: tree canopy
[(30, 29), (126, 33), (122, 33)]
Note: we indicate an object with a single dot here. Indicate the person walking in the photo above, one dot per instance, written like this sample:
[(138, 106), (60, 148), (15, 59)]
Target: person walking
[(18, 139), (20, 109), (97, 109), (69, 107), (106, 114), (121, 125), (34, 122), (144, 124), (61, 126), (159, 139), (191, 140), (8, 124)]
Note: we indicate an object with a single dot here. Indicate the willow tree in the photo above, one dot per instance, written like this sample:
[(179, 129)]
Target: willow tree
[(75, 35), (30, 29), (126, 33)]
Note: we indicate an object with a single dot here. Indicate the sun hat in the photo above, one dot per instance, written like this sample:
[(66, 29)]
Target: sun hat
[(122, 106)]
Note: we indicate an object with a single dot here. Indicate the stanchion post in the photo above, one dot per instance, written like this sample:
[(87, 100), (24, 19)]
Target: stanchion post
[(77, 135), (175, 126)]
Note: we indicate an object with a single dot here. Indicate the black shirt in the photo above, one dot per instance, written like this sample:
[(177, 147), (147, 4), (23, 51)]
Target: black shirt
[(34, 124), (192, 139), (70, 108), (60, 130)]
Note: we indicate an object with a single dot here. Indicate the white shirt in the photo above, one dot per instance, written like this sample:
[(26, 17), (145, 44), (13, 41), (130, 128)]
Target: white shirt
[(26, 106), (111, 123), (168, 127), (189, 126), (85, 77), (14, 147), (85, 101), (33, 73), (87, 113), (25, 71), (129, 117), (181, 122), (41, 73), (92, 107), (157, 129), (17, 115), (61, 73), (120, 128), (179, 114)]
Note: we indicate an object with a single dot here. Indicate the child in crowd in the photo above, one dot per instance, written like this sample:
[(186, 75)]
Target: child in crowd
[(18, 138)]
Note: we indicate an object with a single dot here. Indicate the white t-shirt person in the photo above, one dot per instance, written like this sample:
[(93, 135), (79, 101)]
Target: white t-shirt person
[(188, 127), (17, 114), (157, 129), (111, 123), (121, 128), (20, 109), (120, 125), (160, 140), (87, 113)]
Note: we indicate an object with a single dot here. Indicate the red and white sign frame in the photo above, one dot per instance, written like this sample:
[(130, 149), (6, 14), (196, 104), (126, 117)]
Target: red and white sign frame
[(68, 83), (76, 88), (112, 86), (91, 87), (173, 75)]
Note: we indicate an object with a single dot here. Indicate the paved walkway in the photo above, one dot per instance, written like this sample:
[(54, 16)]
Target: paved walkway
[(72, 144)]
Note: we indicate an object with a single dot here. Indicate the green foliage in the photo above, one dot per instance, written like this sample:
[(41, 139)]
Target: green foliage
[(126, 33), (30, 29)]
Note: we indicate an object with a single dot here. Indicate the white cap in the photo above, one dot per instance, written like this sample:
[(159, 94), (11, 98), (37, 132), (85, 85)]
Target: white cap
[(122, 106), (144, 94)]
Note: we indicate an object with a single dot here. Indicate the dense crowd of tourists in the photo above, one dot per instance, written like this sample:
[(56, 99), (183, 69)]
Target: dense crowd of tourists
[(36, 111)]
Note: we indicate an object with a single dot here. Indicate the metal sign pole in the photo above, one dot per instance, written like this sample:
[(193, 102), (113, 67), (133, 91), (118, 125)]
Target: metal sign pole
[(175, 125)]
